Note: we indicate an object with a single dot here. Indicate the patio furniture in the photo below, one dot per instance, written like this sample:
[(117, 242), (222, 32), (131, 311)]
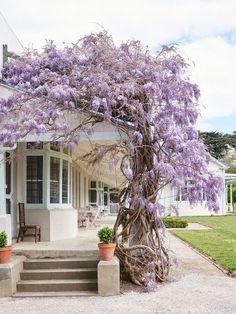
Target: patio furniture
[(88, 217), (94, 216), (83, 220), (24, 227)]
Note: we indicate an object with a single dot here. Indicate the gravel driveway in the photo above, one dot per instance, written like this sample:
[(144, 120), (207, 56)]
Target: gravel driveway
[(196, 286)]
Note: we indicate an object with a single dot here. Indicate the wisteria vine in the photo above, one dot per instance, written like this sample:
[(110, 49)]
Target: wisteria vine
[(149, 100)]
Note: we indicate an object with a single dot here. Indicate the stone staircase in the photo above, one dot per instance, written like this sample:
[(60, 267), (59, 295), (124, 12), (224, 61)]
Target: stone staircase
[(58, 277)]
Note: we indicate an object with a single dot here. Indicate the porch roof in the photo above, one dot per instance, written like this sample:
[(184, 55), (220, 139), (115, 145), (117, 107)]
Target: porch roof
[(230, 178)]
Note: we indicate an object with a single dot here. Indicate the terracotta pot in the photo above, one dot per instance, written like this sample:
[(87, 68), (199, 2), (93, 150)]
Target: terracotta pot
[(5, 254), (106, 251)]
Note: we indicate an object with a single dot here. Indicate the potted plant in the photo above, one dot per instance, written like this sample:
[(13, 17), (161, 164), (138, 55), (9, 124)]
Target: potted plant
[(5, 251), (106, 246)]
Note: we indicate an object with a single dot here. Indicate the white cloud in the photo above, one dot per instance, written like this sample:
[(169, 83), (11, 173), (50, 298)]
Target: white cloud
[(152, 21), (200, 26), (215, 73)]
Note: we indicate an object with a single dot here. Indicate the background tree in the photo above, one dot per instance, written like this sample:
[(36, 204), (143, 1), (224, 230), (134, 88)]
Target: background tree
[(217, 143), (151, 103)]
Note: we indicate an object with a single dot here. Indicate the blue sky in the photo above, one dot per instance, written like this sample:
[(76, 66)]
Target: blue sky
[(205, 31), (221, 124)]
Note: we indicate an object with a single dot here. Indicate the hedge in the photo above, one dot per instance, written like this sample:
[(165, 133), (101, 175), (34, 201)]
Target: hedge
[(174, 222)]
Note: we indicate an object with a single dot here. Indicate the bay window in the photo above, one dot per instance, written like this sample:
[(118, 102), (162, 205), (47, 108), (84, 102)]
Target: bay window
[(48, 172)]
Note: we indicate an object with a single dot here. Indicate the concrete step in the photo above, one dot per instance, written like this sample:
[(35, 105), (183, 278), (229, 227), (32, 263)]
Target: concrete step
[(56, 285), (64, 273), (55, 263), (55, 294), (43, 252)]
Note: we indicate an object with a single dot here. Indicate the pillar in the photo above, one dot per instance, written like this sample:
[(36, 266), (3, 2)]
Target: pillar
[(5, 220), (109, 277), (231, 197)]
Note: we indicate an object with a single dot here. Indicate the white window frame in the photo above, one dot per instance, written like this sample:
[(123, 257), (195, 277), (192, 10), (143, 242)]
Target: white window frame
[(46, 152)]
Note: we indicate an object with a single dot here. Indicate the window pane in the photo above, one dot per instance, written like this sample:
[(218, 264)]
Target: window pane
[(65, 182), (54, 180), (70, 184), (34, 145), (184, 194), (93, 184), (8, 174), (65, 151), (34, 179), (105, 188), (8, 206), (55, 146), (93, 196), (105, 199)]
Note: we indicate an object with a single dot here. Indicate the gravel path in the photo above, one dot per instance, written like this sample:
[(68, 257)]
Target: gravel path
[(196, 286)]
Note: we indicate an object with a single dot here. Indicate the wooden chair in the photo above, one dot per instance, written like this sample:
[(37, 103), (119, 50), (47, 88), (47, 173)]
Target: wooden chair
[(24, 227)]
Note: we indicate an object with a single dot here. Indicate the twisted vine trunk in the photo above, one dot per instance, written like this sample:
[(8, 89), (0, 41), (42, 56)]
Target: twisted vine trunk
[(140, 247)]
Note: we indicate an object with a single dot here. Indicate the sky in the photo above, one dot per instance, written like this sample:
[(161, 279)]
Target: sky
[(204, 30)]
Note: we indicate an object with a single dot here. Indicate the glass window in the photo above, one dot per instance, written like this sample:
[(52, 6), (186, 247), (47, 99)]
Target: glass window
[(92, 196), (55, 146), (54, 180), (105, 199), (8, 174), (70, 184), (65, 182), (34, 179), (34, 145), (177, 194), (65, 151), (8, 206), (93, 184)]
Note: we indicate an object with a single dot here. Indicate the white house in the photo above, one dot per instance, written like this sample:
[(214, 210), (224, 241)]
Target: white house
[(176, 202), (53, 182)]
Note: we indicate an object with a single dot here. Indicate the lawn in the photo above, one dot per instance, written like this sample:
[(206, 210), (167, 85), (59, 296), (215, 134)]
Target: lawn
[(219, 243)]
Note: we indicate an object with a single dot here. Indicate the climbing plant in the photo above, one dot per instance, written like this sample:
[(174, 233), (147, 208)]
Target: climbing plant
[(152, 104)]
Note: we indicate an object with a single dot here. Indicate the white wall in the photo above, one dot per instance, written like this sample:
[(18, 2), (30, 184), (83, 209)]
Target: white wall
[(184, 208), (8, 37)]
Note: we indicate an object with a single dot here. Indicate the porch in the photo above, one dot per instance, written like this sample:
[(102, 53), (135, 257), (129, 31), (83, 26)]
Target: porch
[(84, 244), (54, 182)]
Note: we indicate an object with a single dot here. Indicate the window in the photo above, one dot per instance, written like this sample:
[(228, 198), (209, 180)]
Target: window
[(105, 200), (54, 180), (180, 194), (34, 145), (34, 179), (92, 197), (65, 182), (8, 174), (93, 184), (55, 146)]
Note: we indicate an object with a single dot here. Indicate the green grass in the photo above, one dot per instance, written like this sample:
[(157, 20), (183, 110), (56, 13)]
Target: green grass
[(219, 243)]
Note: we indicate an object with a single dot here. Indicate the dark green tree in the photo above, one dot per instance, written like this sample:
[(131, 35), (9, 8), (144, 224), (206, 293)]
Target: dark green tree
[(218, 144)]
